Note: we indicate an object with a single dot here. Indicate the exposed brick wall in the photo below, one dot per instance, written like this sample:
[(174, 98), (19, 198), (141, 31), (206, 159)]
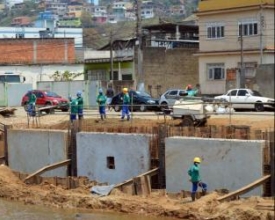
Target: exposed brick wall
[(173, 68), (37, 51)]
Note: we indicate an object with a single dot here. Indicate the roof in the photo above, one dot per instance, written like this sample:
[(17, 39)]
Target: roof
[(120, 43), (171, 27), (214, 5)]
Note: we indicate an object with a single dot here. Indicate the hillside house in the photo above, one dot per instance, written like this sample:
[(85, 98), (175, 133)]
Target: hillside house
[(236, 36)]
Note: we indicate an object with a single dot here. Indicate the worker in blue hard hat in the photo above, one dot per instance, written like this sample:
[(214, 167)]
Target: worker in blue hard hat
[(194, 173), (80, 104), (101, 100), (31, 102)]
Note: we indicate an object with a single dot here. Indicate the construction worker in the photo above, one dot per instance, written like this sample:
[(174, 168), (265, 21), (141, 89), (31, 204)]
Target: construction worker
[(101, 100), (194, 173), (73, 109), (125, 104), (191, 92), (79, 105), (31, 103), (109, 94)]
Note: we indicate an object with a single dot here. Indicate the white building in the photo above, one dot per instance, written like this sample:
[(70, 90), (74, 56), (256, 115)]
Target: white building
[(30, 32)]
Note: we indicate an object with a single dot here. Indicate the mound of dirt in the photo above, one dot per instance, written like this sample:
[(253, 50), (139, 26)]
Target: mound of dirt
[(156, 204)]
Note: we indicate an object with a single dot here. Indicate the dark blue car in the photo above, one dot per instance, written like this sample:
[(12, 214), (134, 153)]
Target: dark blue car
[(140, 101)]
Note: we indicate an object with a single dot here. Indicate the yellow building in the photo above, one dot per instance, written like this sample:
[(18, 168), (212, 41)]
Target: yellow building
[(232, 31)]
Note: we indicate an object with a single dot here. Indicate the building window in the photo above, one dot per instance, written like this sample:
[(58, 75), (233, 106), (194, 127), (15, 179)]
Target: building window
[(248, 28), (111, 163), (215, 31), (249, 69), (215, 71)]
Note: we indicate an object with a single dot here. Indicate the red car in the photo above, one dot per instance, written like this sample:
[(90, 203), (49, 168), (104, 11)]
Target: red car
[(47, 98)]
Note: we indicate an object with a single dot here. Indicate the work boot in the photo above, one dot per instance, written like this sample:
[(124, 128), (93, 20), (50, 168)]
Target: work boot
[(193, 196), (128, 118), (204, 191), (101, 116)]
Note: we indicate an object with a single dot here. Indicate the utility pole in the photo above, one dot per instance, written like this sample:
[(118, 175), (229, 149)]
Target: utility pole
[(242, 74), (111, 56), (140, 53)]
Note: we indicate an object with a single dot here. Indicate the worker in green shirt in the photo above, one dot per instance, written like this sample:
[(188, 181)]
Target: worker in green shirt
[(125, 104), (195, 178), (73, 108), (79, 105), (31, 103), (101, 100)]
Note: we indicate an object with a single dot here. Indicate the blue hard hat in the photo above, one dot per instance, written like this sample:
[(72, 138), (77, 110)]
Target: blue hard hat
[(79, 93), (100, 91)]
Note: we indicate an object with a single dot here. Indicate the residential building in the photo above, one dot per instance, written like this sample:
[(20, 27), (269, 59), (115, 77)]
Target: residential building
[(21, 22), (76, 8), (120, 67), (46, 19), (38, 58), (147, 9), (236, 37), (99, 14), (58, 7), (120, 8), (11, 3)]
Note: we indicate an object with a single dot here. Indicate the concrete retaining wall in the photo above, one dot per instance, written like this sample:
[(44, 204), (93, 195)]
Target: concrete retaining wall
[(227, 164), (131, 155), (30, 150)]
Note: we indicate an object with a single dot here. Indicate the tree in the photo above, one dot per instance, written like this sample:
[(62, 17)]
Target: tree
[(65, 76), (86, 19)]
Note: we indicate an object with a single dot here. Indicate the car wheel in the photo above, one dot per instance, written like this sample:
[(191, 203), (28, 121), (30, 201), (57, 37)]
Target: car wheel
[(187, 122), (65, 110), (117, 108), (142, 108), (259, 107), (26, 106), (163, 106), (48, 110)]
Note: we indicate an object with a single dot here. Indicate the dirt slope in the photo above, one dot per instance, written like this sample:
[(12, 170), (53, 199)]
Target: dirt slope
[(157, 204)]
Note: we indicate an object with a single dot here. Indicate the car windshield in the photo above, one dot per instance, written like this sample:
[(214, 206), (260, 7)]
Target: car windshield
[(256, 93), (52, 94), (143, 94)]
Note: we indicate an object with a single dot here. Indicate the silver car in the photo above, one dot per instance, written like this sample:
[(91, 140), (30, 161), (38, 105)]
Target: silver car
[(168, 99)]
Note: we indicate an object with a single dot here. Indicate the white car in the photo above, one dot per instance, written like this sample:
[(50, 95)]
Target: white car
[(168, 99), (246, 99)]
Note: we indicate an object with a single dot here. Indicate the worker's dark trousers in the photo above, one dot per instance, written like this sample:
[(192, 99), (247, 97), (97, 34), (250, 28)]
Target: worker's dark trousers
[(200, 184)]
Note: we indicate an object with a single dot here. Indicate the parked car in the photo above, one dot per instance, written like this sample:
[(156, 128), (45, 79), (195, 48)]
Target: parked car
[(168, 99), (47, 98), (247, 99), (142, 101)]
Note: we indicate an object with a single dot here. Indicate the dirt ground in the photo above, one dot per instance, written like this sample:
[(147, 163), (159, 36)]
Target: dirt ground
[(156, 204)]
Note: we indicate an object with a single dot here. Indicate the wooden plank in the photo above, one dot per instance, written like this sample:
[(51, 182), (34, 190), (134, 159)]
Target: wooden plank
[(150, 173), (244, 189), (49, 167)]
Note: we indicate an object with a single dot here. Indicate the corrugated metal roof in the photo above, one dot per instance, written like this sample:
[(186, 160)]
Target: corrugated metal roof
[(212, 5)]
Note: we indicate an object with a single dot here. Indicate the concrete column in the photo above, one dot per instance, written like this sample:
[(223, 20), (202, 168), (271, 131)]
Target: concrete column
[(34, 51), (65, 51), (119, 71), (177, 33)]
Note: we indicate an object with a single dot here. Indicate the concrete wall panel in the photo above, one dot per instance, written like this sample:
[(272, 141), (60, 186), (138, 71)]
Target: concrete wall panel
[(130, 151), (30, 150), (227, 164)]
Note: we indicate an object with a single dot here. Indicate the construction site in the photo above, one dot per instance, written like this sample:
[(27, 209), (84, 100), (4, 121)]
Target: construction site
[(48, 161)]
